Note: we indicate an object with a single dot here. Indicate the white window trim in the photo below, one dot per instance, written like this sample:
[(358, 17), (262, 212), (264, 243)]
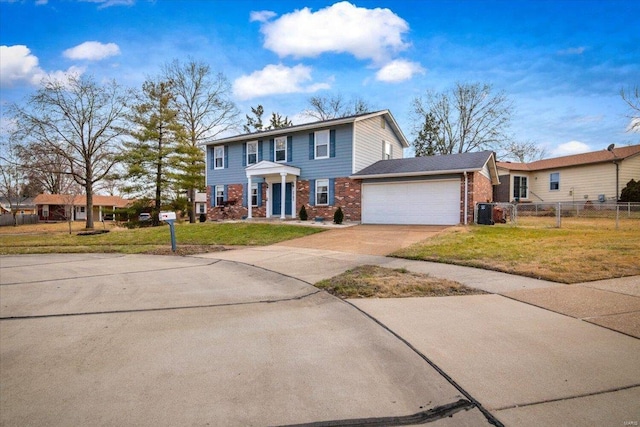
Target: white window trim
[(215, 157), (275, 149), (254, 144), (550, 181), (325, 141), (254, 186), (526, 188), (219, 189), (325, 183), (387, 150)]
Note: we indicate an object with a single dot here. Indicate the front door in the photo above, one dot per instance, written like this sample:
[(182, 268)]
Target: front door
[(277, 196)]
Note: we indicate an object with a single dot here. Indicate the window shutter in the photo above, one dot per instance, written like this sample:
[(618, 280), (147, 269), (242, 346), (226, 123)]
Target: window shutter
[(391, 151), (244, 154), (225, 193), (332, 143), (312, 153), (312, 192), (289, 149), (272, 151), (212, 157), (212, 192), (226, 158), (260, 150), (244, 195), (332, 182), (383, 153), (259, 194)]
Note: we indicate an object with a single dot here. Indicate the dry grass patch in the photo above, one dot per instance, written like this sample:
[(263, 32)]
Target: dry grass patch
[(578, 252), (370, 281)]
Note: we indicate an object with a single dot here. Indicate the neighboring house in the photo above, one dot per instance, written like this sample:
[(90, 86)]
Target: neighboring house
[(598, 176), (324, 165), (58, 207), (20, 206), (201, 203)]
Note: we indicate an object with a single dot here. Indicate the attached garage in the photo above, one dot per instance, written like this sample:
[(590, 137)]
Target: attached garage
[(431, 190), (433, 202)]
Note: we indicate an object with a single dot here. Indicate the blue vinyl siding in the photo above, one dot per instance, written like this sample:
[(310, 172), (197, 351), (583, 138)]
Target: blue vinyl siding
[(333, 167)]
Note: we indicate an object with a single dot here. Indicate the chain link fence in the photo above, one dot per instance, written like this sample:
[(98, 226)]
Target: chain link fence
[(618, 215)]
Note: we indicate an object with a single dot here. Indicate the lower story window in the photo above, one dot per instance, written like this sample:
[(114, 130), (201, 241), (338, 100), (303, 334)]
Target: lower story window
[(322, 192), (554, 181), (219, 195), (201, 208), (254, 194)]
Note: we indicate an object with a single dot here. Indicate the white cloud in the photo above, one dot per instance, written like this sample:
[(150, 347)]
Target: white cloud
[(373, 34), (18, 65), (569, 148), (109, 3), (92, 51), (572, 51), (276, 79), (399, 70), (634, 125), (261, 15)]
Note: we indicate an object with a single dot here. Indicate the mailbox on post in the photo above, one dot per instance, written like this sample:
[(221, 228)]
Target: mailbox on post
[(170, 218)]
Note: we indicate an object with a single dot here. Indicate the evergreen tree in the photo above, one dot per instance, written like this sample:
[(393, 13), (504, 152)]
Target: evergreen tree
[(426, 142), (157, 135), (277, 121), (254, 124)]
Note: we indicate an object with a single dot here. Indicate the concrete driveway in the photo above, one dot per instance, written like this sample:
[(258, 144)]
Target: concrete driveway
[(367, 239), (151, 340)]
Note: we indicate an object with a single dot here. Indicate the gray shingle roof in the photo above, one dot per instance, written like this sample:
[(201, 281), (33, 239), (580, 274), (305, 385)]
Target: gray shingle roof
[(427, 165)]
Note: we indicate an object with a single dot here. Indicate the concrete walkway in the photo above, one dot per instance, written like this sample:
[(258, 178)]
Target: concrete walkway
[(241, 338), (527, 365)]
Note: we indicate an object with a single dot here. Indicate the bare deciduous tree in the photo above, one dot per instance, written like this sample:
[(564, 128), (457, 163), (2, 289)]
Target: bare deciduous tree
[(205, 109), (468, 117), (335, 106), (632, 98), (80, 120), (523, 152), (13, 177)]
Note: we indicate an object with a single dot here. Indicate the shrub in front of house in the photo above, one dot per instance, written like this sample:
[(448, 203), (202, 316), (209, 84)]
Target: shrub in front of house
[(303, 213), (338, 216)]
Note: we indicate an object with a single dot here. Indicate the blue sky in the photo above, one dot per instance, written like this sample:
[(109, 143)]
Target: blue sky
[(561, 63)]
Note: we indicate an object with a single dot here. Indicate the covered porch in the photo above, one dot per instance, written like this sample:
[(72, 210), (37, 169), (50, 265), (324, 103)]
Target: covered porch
[(281, 188)]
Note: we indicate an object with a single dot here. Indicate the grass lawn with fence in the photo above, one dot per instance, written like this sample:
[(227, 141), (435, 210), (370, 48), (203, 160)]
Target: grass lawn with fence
[(584, 249)]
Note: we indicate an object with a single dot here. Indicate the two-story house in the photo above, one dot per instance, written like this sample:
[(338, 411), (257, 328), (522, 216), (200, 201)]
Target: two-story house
[(355, 163), (274, 173)]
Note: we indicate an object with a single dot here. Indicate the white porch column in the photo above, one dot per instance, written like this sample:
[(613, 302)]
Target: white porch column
[(249, 203), (283, 195)]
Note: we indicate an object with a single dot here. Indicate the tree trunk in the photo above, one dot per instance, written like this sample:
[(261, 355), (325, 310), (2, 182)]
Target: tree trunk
[(192, 198)]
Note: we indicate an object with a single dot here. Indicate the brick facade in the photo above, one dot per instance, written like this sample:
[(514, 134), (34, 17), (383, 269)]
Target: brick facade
[(347, 195), (479, 190)]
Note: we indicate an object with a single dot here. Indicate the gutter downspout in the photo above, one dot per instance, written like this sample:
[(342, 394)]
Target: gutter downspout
[(466, 198)]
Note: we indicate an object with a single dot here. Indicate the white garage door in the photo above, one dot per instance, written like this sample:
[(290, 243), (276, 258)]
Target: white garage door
[(423, 202)]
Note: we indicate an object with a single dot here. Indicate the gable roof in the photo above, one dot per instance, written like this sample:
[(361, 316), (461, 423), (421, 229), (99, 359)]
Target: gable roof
[(80, 200), (430, 165), (601, 156), (316, 125)]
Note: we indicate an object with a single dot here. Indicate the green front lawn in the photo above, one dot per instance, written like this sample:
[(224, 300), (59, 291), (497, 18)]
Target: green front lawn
[(573, 254), (148, 240)]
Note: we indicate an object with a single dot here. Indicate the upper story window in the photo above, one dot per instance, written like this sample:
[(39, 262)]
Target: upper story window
[(252, 152), (322, 192), (218, 157), (280, 154), (520, 187), (322, 144), (554, 181), (387, 151)]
